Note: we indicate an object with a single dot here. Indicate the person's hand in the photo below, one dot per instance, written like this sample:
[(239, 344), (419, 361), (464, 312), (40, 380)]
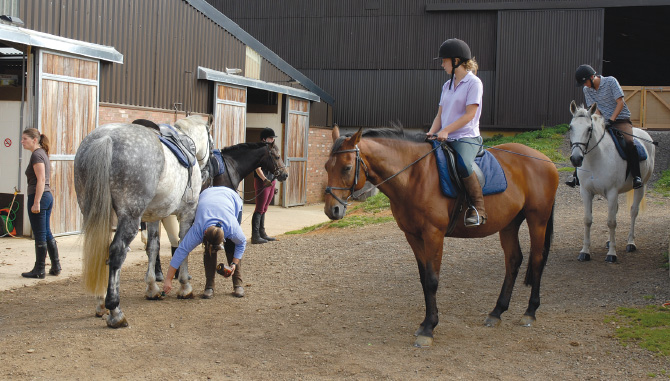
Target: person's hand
[(442, 136), (35, 208), (430, 136), (609, 123), (167, 286), (276, 190), (267, 183)]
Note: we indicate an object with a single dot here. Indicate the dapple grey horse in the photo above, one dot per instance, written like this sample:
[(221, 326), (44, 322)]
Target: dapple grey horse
[(125, 169), (602, 171)]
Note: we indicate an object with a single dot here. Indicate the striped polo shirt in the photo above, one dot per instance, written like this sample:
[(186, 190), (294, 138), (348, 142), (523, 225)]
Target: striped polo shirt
[(606, 95)]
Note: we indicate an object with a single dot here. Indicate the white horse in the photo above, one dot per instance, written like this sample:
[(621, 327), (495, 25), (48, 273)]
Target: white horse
[(602, 171), (125, 169)]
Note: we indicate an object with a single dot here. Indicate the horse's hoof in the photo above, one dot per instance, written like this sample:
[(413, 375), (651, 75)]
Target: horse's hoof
[(99, 314), (584, 257), (187, 296), (117, 322), (158, 296), (527, 320), (610, 259), (630, 248), (423, 341), (492, 321)]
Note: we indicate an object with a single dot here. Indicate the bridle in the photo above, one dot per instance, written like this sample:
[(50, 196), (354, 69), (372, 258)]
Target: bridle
[(352, 189), (584, 147)]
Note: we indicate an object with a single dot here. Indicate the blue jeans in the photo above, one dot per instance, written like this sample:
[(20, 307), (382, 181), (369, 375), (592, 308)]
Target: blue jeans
[(40, 221)]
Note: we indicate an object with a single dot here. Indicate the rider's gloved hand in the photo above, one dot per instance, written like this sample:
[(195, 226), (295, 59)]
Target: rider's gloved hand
[(609, 123)]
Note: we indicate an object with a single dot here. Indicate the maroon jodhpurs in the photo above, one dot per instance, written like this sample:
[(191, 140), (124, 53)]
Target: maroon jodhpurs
[(263, 195)]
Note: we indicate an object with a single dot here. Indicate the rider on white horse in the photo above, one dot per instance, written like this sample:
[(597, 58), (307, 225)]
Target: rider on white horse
[(608, 95)]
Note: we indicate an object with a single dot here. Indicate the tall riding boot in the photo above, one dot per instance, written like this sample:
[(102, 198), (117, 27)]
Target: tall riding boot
[(52, 249), (209, 260), (474, 190), (574, 181), (238, 284), (261, 230), (40, 257), (157, 269), (255, 227), (634, 164)]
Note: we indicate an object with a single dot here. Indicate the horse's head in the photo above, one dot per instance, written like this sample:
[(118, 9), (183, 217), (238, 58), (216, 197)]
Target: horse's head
[(344, 173), (581, 131), (272, 162)]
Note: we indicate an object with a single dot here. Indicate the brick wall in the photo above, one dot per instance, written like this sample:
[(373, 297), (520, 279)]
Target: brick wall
[(113, 113), (320, 142)]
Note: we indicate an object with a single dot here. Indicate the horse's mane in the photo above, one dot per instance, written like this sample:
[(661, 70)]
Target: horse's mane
[(584, 111), (242, 146), (395, 131)]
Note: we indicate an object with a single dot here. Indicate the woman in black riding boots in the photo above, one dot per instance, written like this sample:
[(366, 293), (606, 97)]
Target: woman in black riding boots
[(40, 201), (457, 119), (264, 186), (608, 96)]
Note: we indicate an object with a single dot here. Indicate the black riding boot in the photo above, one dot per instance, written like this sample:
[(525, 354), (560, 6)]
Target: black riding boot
[(157, 269), (40, 257), (574, 181), (261, 230), (634, 164), (476, 216), (255, 227), (52, 249)]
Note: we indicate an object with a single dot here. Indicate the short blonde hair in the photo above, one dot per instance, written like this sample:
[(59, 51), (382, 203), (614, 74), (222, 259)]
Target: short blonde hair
[(471, 65)]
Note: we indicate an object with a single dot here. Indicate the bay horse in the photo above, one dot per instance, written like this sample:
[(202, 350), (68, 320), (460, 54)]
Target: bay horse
[(602, 171), (404, 170), (124, 169)]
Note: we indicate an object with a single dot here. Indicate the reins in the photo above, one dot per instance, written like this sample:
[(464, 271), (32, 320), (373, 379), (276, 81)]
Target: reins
[(359, 160)]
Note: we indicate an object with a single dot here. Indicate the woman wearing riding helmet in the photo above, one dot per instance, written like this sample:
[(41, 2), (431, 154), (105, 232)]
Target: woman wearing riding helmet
[(608, 96), (457, 119)]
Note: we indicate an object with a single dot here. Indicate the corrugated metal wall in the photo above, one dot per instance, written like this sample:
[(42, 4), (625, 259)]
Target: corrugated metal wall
[(537, 57), (9, 7), (160, 41)]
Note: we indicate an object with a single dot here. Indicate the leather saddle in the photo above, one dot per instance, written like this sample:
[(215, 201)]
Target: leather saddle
[(180, 144)]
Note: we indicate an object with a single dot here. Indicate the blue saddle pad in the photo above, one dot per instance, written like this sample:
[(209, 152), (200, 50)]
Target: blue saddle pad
[(172, 140), (220, 166), (496, 181), (618, 143)]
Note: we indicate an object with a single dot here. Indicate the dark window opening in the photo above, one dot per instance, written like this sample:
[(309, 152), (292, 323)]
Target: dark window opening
[(11, 79), (261, 101), (634, 49)]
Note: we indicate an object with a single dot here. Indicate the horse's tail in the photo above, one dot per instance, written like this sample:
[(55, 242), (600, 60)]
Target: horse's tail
[(629, 201), (97, 215), (548, 236)]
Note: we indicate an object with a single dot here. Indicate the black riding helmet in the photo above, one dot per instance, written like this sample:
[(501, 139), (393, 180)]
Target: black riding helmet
[(268, 133), (583, 74), (454, 48)]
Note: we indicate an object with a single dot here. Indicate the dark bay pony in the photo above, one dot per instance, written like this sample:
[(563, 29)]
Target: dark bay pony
[(124, 169), (423, 213)]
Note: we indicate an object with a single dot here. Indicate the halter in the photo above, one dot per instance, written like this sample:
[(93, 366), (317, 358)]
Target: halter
[(352, 189), (586, 149)]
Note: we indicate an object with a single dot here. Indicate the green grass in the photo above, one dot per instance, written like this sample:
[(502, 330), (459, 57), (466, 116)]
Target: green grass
[(648, 327), (547, 140), (662, 185)]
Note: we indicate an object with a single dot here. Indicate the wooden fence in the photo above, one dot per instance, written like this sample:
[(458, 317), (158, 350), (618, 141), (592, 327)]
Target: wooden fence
[(649, 106)]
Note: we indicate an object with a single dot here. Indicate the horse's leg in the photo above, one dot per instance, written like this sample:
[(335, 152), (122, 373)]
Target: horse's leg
[(540, 230), (638, 194), (428, 254), (100, 306), (153, 292), (587, 201), (126, 230), (612, 209), (509, 240), (186, 290)]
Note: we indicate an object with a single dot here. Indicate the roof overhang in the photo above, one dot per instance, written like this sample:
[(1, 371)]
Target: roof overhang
[(218, 76), (29, 37)]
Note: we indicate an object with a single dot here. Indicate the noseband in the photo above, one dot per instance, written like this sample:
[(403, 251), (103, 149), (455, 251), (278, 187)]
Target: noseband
[(352, 189)]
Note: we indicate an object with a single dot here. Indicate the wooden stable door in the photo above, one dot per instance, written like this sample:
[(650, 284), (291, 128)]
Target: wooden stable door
[(230, 115), (295, 151), (67, 112)]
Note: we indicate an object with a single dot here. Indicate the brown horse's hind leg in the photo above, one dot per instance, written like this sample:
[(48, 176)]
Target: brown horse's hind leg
[(428, 256), (509, 239)]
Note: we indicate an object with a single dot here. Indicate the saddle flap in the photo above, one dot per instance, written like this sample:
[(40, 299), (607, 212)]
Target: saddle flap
[(620, 144), (180, 144)]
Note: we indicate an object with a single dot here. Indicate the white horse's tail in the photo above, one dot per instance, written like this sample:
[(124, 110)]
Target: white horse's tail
[(629, 201), (97, 211)]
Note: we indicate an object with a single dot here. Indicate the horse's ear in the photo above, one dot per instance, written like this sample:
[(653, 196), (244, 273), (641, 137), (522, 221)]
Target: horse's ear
[(573, 107), (336, 132), (356, 138), (593, 108)]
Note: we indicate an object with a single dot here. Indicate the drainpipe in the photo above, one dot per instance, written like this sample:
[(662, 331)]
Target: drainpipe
[(23, 101)]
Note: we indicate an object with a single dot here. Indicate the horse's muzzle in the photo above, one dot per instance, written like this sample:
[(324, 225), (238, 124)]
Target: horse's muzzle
[(576, 160), (335, 212)]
